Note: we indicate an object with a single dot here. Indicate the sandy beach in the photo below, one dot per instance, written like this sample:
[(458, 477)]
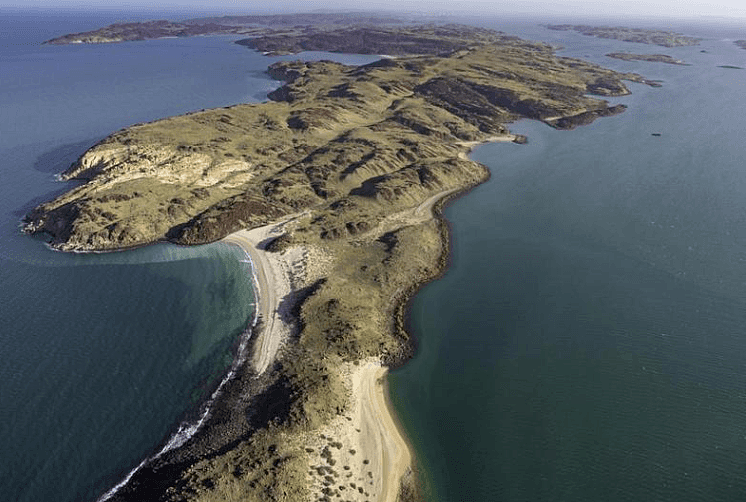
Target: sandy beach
[(272, 282), (375, 455), (360, 454), (366, 442)]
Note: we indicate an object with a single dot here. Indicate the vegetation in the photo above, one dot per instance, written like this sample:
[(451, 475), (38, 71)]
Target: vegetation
[(352, 144), (355, 155)]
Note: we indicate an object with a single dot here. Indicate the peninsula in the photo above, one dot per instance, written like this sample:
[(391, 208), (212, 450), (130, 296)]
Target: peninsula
[(652, 58), (639, 35), (333, 188)]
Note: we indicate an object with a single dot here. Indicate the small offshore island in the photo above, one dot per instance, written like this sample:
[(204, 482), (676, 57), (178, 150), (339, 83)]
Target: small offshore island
[(334, 189), (639, 35), (652, 58)]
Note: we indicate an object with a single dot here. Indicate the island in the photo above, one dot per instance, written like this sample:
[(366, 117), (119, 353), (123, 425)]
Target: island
[(652, 58), (740, 43), (334, 189), (223, 25), (639, 35)]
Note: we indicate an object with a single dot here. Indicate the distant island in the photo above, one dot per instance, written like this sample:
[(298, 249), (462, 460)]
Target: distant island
[(653, 58), (639, 35), (334, 189), (740, 43), (222, 25)]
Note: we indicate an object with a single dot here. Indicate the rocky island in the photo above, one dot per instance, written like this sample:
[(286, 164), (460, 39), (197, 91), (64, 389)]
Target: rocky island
[(639, 35), (652, 58), (333, 188)]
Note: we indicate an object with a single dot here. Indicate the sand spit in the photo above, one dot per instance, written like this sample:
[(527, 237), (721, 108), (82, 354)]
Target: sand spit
[(276, 276), (361, 454), (375, 456)]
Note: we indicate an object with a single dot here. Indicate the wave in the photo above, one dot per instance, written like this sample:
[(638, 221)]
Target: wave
[(187, 430), (29, 253)]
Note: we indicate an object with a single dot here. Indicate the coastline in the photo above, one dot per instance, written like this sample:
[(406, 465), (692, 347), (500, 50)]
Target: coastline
[(457, 452), (343, 204), (371, 425), (382, 456), (272, 281)]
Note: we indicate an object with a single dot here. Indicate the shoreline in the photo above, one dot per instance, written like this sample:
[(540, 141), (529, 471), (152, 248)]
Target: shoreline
[(388, 454), (390, 458), (276, 276), (187, 429), (346, 227)]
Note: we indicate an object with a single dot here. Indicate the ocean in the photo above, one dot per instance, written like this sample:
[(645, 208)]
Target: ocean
[(587, 342), (105, 357)]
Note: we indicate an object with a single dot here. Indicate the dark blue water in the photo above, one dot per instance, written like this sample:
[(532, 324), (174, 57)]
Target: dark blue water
[(103, 356), (588, 341)]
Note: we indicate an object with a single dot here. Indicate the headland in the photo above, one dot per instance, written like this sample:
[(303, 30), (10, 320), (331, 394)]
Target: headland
[(334, 189)]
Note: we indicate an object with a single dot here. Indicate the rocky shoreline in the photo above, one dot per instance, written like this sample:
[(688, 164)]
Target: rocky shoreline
[(345, 166)]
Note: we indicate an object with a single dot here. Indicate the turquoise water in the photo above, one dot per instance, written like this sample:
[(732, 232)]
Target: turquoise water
[(104, 356), (588, 341)]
